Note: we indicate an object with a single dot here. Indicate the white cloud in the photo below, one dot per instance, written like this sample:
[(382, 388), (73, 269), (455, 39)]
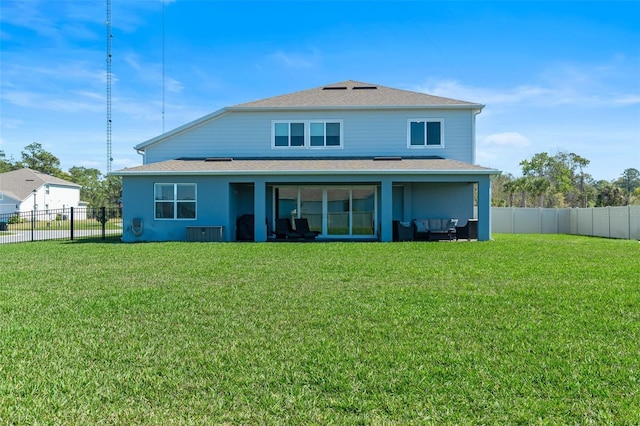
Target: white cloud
[(52, 102), (608, 84), (153, 73), (295, 60), (506, 139), (488, 96), (625, 100), (10, 124)]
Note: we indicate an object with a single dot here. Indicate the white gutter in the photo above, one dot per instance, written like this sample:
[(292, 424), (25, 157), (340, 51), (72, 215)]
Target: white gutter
[(303, 172), (352, 107)]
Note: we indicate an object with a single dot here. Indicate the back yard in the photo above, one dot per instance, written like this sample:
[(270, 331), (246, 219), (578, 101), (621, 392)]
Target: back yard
[(525, 329)]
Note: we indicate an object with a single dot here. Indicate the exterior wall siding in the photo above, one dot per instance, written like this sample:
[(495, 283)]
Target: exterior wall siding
[(221, 200), (365, 133), (59, 197), (9, 205)]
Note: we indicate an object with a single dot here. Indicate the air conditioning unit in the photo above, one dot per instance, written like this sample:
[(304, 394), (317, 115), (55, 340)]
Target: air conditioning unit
[(205, 233)]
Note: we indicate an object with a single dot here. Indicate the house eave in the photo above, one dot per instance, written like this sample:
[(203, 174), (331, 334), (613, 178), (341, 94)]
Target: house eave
[(474, 107), (304, 172), (179, 130)]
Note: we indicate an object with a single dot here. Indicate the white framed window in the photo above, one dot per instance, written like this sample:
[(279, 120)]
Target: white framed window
[(307, 134), (325, 134), (175, 200), (425, 133), (288, 134)]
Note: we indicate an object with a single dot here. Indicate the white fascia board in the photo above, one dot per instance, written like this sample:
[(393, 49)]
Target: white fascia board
[(474, 107), (178, 130), (305, 172)]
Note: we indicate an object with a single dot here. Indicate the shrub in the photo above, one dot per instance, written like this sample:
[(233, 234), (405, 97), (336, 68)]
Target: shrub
[(15, 218)]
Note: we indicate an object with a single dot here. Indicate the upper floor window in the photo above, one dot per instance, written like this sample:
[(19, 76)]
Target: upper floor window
[(289, 134), (313, 134), (325, 134), (175, 200), (423, 133)]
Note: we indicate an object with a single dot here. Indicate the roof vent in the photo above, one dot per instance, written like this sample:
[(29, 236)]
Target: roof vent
[(334, 88), (364, 88), (387, 158), (210, 159)]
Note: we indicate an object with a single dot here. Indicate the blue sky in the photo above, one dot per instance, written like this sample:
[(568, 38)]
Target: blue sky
[(554, 76)]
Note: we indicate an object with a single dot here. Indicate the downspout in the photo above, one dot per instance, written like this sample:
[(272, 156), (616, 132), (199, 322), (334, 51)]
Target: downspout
[(473, 135), (144, 158)]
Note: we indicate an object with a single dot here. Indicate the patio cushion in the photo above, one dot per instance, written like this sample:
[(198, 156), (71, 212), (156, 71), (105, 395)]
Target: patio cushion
[(435, 225), (422, 225)]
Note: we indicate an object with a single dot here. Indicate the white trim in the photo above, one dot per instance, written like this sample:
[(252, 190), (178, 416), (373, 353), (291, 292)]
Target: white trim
[(307, 134), (374, 172), (182, 129), (325, 122), (289, 122), (426, 145), (354, 107), (175, 201)]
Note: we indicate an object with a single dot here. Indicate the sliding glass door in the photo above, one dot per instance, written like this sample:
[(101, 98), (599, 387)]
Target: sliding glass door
[(311, 207), (338, 211), (334, 211)]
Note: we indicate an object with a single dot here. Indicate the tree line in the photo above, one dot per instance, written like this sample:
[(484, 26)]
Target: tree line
[(560, 180), (95, 188)]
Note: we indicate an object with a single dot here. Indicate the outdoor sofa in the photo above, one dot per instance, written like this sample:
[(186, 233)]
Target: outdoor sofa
[(434, 229)]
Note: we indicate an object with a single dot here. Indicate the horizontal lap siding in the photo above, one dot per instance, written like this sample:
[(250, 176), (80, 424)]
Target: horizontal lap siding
[(365, 133)]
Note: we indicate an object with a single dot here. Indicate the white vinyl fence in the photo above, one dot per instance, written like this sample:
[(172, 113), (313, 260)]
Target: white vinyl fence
[(609, 222)]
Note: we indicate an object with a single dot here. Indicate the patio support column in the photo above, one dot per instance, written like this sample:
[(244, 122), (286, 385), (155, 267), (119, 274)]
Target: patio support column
[(484, 209), (260, 210), (386, 213)]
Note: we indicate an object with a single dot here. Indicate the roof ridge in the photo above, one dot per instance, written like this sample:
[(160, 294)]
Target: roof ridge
[(344, 95)]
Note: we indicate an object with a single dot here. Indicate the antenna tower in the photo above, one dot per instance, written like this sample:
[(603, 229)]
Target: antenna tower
[(109, 37)]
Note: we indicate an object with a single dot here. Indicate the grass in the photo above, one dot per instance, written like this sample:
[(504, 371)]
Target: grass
[(522, 330)]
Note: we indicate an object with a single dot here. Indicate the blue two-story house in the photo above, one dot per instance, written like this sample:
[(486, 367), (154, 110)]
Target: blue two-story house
[(350, 157)]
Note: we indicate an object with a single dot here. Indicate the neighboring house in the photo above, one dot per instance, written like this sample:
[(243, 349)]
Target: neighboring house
[(350, 157), (25, 190)]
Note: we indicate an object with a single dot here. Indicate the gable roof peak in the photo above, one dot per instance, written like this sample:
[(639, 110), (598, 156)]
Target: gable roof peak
[(352, 93), (22, 182)]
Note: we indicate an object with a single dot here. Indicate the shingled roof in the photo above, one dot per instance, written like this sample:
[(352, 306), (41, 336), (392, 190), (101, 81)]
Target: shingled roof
[(355, 94), (308, 166), (20, 184)]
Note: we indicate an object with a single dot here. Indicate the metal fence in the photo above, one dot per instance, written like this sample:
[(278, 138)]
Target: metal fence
[(61, 224), (609, 222)]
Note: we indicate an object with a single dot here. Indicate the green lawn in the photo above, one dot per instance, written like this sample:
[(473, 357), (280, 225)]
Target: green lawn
[(522, 330)]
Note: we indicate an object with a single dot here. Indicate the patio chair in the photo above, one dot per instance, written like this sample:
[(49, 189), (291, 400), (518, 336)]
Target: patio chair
[(285, 232), (302, 227)]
